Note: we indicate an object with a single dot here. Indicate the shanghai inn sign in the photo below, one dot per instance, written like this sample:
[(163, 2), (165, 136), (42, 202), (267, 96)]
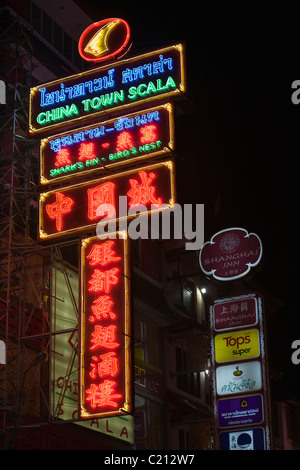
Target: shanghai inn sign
[(68, 102)]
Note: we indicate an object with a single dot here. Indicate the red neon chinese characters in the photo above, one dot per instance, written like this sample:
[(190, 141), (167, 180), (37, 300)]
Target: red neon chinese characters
[(101, 308), (102, 253), (148, 134), (102, 280), (143, 193), (103, 194), (86, 151), (63, 205), (124, 141), (104, 342), (104, 336), (103, 394), (109, 365), (63, 158)]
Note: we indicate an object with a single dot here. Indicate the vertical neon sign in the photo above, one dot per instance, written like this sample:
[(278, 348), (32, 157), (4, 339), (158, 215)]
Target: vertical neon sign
[(105, 327)]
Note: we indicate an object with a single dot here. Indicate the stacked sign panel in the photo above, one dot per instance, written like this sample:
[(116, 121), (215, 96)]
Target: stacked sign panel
[(124, 85), (240, 388), (105, 362), (99, 146)]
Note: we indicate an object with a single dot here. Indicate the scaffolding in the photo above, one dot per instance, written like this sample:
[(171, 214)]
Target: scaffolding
[(25, 265)]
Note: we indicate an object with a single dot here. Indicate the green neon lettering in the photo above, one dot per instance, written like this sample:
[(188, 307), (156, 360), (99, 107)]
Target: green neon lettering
[(86, 105), (170, 83), (132, 93), (41, 118), (139, 89), (151, 88)]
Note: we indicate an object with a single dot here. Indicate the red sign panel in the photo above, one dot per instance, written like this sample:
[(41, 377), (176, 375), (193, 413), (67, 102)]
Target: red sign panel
[(237, 313), (107, 144), (65, 210), (105, 327), (104, 40), (230, 254)]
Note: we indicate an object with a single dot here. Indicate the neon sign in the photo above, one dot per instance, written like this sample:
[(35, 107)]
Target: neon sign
[(108, 144), (67, 102), (105, 327), (74, 208), (104, 40)]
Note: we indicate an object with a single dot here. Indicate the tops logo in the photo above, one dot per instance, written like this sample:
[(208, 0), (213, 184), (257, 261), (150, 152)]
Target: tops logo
[(104, 40)]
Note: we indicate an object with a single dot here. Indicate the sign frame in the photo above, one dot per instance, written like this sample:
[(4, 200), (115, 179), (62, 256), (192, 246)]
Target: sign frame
[(126, 407), (223, 248), (167, 167), (84, 85), (100, 133)]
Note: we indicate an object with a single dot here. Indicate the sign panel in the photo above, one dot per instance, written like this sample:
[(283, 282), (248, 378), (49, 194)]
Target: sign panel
[(237, 345), (240, 411), (63, 211), (239, 378), (119, 141), (231, 314), (230, 254), (64, 369), (105, 40), (69, 102), (250, 439), (105, 379)]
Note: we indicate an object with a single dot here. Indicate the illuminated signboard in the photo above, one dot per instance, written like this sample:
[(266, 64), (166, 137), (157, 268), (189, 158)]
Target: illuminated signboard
[(73, 208), (237, 345), (230, 254), (237, 313), (70, 101), (105, 366), (104, 40), (108, 144)]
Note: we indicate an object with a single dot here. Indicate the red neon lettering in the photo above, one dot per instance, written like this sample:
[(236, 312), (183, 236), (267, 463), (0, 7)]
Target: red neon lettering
[(109, 365), (103, 194), (101, 308), (103, 253), (143, 193), (124, 141), (103, 394), (86, 151), (148, 134), (63, 158), (102, 280), (63, 205), (104, 336)]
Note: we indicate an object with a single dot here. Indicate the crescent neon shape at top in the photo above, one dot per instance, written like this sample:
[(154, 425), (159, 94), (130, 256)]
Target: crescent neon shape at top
[(93, 43)]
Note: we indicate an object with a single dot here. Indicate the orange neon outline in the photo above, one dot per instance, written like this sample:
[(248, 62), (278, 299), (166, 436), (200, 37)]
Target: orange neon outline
[(100, 24), (126, 407), (181, 88), (162, 151), (42, 196)]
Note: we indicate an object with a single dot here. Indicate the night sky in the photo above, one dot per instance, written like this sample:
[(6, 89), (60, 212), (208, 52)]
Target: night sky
[(240, 137)]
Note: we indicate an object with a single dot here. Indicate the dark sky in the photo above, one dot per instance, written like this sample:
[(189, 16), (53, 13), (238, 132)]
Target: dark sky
[(240, 138)]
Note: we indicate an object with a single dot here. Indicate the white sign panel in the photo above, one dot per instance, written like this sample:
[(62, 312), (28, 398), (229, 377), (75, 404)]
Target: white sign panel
[(237, 378)]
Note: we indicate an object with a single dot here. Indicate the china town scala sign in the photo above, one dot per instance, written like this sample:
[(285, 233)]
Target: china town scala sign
[(230, 254)]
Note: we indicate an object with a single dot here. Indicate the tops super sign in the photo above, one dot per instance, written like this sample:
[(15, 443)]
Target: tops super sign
[(104, 40)]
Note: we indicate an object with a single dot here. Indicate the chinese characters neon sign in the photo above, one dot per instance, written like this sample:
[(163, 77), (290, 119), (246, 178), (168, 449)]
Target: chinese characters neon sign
[(104, 40), (105, 327), (108, 144), (74, 208), (67, 102)]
